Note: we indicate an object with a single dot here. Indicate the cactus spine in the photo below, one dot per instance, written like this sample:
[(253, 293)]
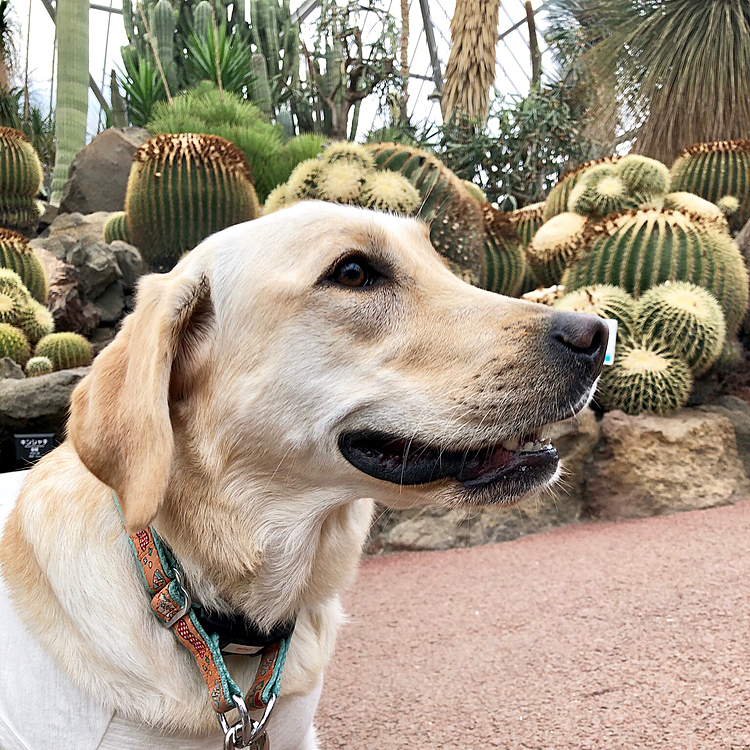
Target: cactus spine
[(37, 366), (390, 191), (17, 255), (684, 319), (13, 344), (21, 179), (72, 22), (715, 170), (504, 267), (65, 350), (527, 221), (607, 302), (116, 228), (183, 188), (12, 305), (36, 321), (644, 378), (553, 246)]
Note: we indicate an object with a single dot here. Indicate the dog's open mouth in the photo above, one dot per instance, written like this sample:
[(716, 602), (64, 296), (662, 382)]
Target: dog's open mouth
[(401, 461)]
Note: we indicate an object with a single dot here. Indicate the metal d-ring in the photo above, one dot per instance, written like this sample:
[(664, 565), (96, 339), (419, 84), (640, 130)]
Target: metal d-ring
[(185, 608), (246, 733)]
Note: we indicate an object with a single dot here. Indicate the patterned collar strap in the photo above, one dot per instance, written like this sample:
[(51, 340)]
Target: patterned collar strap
[(172, 606)]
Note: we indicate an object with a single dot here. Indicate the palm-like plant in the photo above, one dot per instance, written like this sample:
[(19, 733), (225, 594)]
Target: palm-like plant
[(681, 66)]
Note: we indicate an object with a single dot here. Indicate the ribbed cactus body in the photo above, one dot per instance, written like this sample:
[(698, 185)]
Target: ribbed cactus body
[(13, 344), (181, 189), (304, 182), (553, 246), (731, 356), (116, 228), (17, 255), (714, 170), (342, 182), (162, 32), (19, 211), (36, 321), (693, 204), (202, 18), (644, 378), (65, 350), (475, 191), (348, 152), (390, 191), (684, 319), (642, 249), (527, 221), (607, 302), (557, 200), (9, 279), (640, 174), (601, 191), (504, 267), (20, 168), (37, 366)]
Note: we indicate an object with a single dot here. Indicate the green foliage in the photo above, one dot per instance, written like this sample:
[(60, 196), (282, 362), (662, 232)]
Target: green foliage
[(607, 302), (182, 188), (143, 87), (17, 255), (13, 344), (684, 319), (65, 350), (716, 170), (116, 228), (644, 378), (642, 249), (37, 366)]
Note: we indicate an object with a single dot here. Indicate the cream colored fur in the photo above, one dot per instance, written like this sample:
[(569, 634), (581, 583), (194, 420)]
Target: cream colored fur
[(215, 414)]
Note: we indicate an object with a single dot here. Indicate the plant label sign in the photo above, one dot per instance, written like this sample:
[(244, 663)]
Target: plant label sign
[(609, 356), (30, 448)]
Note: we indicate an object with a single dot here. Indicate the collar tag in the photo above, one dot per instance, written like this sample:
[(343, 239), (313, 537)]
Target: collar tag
[(241, 648)]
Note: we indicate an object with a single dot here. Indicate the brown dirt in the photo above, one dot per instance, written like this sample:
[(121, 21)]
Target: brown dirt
[(632, 635)]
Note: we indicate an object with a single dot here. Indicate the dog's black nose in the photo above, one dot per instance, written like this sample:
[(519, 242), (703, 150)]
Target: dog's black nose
[(584, 336)]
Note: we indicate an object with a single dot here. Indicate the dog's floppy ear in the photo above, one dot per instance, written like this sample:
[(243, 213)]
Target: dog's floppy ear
[(119, 421)]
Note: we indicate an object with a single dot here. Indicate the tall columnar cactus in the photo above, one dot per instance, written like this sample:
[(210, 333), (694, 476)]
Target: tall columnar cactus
[(65, 350), (17, 255), (553, 246), (641, 249), (183, 188), (644, 378), (162, 22), (71, 110), (684, 319), (13, 344), (607, 302), (21, 178), (715, 170)]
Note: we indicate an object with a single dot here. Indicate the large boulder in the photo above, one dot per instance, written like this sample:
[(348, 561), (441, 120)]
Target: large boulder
[(442, 528), (77, 227), (737, 412), (98, 176), (648, 465)]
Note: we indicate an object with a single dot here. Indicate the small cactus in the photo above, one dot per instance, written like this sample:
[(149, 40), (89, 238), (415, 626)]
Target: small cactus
[(693, 204), (605, 301), (276, 199), (65, 350), (304, 182), (12, 305), (389, 191), (38, 366), (11, 280), (36, 321), (350, 153), (341, 182), (640, 174), (644, 378), (14, 344), (116, 228), (17, 255), (684, 319), (553, 246)]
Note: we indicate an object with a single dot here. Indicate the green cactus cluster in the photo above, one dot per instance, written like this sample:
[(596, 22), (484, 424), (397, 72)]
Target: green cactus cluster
[(116, 228), (36, 321), (717, 171), (17, 255), (644, 378), (606, 301), (182, 188), (14, 344), (65, 350), (504, 270), (554, 245), (12, 303), (21, 177), (38, 366), (527, 221)]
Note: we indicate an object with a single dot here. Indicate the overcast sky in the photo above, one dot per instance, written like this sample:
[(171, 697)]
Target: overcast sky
[(107, 35)]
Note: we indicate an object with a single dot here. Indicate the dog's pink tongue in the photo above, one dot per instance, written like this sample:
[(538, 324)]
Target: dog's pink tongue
[(497, 459)]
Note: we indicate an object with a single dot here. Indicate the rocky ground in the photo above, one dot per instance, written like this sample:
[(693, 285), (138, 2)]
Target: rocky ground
[(598, 636)]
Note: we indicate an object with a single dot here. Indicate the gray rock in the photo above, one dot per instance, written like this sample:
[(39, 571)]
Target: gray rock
[(70, 309), (79, 226), (98, 176), (648, 465), (111, 303), (96, 267), (737, 412), (131, 263), (10, 369), (102, 337)]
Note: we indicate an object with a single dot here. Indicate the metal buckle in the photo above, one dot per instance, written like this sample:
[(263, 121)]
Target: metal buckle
[(246, 733), (185, 607)]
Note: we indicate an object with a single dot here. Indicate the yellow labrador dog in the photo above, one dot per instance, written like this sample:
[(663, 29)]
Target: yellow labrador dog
[(283, 376)]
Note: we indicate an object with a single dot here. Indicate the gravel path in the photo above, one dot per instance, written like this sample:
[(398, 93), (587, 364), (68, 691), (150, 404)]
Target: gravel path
[(633, 635)]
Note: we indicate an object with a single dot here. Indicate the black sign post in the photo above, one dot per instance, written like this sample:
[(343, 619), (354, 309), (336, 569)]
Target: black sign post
[(30, 448)]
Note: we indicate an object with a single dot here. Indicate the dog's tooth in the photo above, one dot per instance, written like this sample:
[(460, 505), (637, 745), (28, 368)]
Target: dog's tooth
[(528, 447), (512, 444)]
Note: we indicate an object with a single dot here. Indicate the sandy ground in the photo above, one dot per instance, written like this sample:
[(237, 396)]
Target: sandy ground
[(633, 635)]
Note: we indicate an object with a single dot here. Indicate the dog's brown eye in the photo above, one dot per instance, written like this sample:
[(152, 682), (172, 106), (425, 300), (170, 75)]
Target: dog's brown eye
[(354, 272)]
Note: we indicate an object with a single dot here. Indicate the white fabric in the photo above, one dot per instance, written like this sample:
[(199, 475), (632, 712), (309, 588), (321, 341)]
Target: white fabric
[(41, 708)]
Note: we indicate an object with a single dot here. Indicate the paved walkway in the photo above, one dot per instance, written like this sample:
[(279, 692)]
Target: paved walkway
[(631, 636)]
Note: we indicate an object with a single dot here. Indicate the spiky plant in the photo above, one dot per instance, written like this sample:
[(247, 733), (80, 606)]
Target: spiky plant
[(13, 344), (36, 321), (9, 279), (475, 190), (72, 22), (606, 301), (12, 305), (731, 356), (470, 72), (715, 171), (527, 221), (351, 153), (644, 378), (553, 246), (37, 366), (640, 174), (341, 181), (504, 267), (17, 255), (304, 182), (684, 319), (389, 191), (276, 200), (116, 228), (692, 204), (600, 191), (729, 205), (20, 168), (641, 249), (181, 189), (65, 350)]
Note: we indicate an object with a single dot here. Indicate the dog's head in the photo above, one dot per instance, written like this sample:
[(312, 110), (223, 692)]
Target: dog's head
[(330, 347)]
